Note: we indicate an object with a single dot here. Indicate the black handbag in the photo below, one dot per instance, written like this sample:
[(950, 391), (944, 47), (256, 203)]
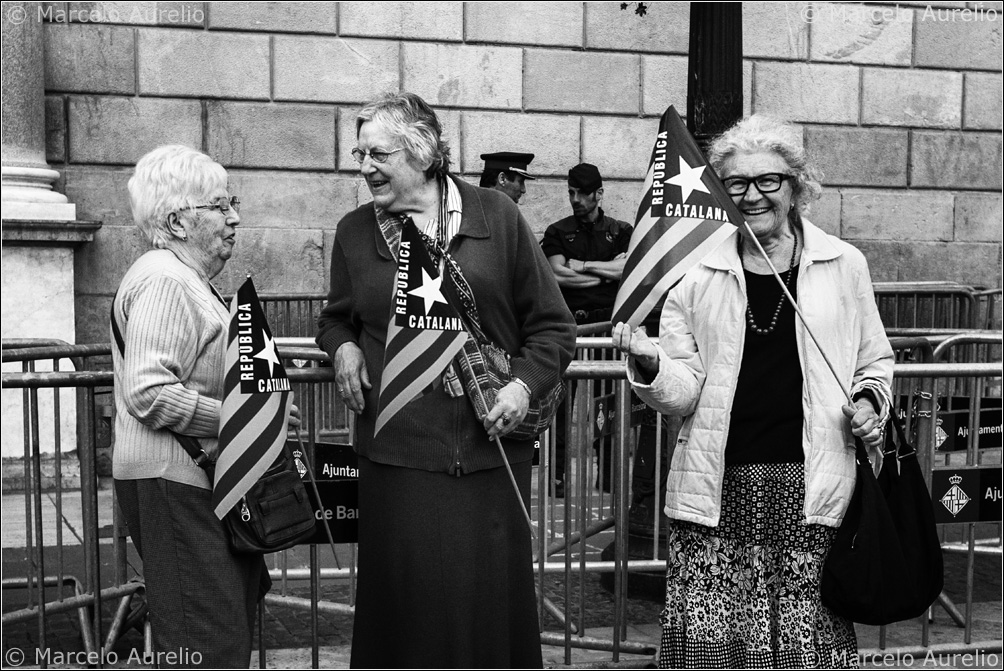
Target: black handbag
[(885, 564), (275, 513)]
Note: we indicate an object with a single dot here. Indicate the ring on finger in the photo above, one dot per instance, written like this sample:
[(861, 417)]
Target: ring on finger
[(505, 419)]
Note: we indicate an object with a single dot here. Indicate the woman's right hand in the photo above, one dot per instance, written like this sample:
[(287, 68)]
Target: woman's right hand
[(351, 376), (637, 345)]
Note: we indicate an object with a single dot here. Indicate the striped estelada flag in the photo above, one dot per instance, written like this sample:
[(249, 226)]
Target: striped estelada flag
[(256, 402), (424, 333), (684, 214)]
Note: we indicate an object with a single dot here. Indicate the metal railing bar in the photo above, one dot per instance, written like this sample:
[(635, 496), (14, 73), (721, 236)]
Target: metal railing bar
[(940, 370), (965, 339), (963, 548), (331, 607), (934, 651), (577, 370), (85, 600), (633, 565), (20, 343), (576, 536), (590, 643), (56, 352)]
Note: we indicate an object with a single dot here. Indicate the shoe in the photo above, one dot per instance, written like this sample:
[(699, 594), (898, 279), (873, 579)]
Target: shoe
[(558, 489), (641, 520)]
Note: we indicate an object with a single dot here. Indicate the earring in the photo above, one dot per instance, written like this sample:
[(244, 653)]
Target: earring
[(184, 236)]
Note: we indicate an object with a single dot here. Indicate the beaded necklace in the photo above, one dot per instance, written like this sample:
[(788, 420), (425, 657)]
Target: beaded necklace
[(780, 304)]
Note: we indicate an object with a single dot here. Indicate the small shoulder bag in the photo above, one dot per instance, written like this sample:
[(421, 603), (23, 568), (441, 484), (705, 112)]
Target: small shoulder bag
[(275, 513), (483, 367)]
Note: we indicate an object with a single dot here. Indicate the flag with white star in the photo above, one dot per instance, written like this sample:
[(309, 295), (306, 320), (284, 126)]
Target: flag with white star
[(255, 406), (425, 331), (684, 214)]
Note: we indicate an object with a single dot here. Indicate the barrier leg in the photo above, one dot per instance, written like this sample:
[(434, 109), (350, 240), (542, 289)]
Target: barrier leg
[(117, 625)]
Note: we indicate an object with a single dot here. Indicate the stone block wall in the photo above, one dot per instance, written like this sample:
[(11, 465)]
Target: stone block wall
[(900, 105)]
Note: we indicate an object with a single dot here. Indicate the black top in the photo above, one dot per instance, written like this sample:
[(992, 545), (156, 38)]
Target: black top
[(601, 240), (766, 424)]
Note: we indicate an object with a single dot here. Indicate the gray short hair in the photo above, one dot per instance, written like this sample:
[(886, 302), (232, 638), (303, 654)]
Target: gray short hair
[(411, 120), (167, 179), (762, 133)]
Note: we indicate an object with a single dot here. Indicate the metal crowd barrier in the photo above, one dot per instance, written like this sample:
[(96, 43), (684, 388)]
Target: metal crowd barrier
[(46, 580), (929, 305), (908, 309), (564, 527)]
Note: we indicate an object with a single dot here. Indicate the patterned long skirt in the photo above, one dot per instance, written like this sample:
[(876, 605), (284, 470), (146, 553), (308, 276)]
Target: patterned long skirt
[(746, 594)]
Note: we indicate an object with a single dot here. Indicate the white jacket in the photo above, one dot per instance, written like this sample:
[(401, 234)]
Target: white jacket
[(702, 335)]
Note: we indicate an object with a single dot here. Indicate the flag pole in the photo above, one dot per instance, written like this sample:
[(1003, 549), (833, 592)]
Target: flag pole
[(317, 496), (512, 478), (505, 460), (815, 341)]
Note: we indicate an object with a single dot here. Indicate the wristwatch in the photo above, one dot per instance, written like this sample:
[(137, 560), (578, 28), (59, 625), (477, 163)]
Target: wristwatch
[(525, 386)]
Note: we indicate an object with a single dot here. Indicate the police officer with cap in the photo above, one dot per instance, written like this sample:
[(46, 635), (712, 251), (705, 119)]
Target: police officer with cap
[(506, 171), (587, 252)]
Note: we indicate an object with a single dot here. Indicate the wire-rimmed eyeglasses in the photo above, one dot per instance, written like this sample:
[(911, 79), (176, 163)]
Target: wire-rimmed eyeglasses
[(223, 204), (378, 156)]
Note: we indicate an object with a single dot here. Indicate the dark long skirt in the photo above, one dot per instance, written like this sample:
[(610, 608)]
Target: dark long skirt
[(445, 573), (746, 594), (202, 598)]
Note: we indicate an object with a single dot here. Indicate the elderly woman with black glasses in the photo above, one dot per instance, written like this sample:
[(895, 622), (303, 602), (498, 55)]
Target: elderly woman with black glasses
[(445, 574), (764, 466), (171, 325)]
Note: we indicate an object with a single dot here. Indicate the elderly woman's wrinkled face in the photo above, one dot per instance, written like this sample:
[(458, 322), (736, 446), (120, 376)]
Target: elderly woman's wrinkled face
[(395, 182), (211, 230), (766, 213)]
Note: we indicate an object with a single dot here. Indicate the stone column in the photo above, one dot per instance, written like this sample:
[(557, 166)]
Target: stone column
[(26, 184), (40, 233)]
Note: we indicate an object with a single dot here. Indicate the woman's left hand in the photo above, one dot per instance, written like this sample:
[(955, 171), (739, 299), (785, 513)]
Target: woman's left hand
[(865, 422), (294, 417), (511, 404)]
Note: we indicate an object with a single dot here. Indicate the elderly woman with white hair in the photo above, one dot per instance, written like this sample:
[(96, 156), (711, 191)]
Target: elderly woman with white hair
[(173, 325), (445, 574), (764, 467)]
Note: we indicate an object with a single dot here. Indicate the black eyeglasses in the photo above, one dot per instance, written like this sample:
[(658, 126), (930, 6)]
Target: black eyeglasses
[(766, 183), (375, 154), (223, 204)]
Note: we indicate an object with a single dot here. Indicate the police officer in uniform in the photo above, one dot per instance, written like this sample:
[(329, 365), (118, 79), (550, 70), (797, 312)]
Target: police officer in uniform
[(506, 171), (587, 251)]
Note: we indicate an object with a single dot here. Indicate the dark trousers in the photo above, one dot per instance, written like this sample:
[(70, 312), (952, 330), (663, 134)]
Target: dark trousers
[(643, 476), (602, 444), (202, 598)]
